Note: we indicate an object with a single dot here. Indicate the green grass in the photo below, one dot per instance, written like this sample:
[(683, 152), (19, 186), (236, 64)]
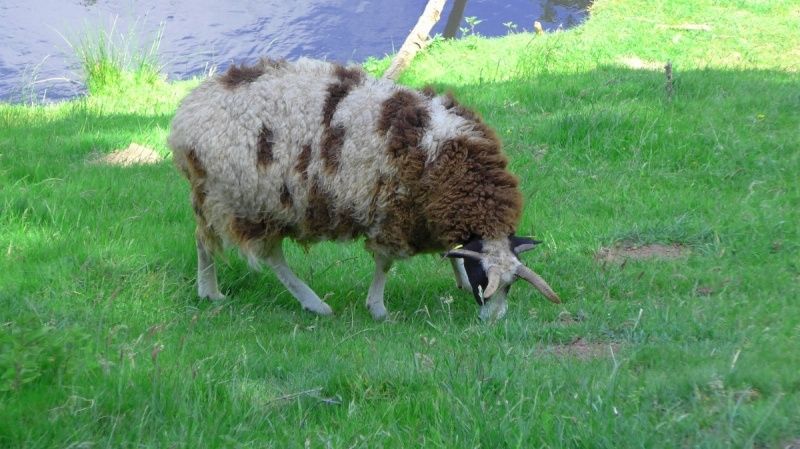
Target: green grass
[(103, 343)]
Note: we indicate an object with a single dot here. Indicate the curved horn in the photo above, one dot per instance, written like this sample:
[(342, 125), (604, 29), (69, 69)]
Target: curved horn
[(494, 282), (461, 252), (537, 281)]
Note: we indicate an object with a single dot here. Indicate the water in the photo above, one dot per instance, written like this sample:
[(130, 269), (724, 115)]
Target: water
[(37, 64)]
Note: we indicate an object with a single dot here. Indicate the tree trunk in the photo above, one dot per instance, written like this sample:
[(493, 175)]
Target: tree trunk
[(416, 40), (454, 19)]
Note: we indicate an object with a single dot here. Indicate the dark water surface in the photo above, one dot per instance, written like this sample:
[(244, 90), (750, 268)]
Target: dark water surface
[(37, 64)]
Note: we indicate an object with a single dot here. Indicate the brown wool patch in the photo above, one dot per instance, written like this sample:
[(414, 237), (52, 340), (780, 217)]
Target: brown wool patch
[(286, 196), (321, 218), (239, 75), (349, 75), (302, 161), (346, 225), (196, 169), (375, 194), (420, 237), (264, 155), (401, 99), (333, 136), (434, 210), (429, 91), (318, 217), (413, 166), (470, 192), (336, 93), (197, 175), (245, 229), (346, 80), (404, 118), (198, 200), (332, 141)]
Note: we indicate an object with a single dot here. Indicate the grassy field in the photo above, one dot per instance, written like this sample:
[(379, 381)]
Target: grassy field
[(104, 344)]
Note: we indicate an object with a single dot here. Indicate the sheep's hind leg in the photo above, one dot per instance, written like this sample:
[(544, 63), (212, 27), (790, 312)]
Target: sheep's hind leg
[(302, 292), (462, 281), (375, 295), (207, 286)]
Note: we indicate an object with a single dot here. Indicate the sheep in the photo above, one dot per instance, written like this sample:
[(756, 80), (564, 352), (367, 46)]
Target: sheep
[(311, 150)]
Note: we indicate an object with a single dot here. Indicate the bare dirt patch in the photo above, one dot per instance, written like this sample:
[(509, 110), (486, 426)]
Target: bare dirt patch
[(135, 154), (636, 63), (643, 252), (705, 290), (688, 27), (582, 349), (565, 318)]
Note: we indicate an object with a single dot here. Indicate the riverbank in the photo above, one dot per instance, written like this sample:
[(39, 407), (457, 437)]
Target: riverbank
[(669, 212)]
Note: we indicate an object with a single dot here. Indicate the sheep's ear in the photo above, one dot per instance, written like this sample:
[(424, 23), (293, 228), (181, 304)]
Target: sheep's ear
[(522, 244)]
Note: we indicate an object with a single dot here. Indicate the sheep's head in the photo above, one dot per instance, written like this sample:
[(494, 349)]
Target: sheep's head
[(492, 266)]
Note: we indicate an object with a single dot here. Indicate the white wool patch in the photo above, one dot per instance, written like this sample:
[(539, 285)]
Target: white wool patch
[(444, 126)]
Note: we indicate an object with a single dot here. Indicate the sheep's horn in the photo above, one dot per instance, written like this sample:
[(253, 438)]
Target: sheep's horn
[(537, 281), (461, 252), (494, 282)]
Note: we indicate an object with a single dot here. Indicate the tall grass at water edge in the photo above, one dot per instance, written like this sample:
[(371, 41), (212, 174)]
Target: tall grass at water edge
[(114, 60)]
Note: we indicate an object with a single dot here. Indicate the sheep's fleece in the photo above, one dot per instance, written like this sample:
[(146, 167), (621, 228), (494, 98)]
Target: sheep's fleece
[(317, 151)]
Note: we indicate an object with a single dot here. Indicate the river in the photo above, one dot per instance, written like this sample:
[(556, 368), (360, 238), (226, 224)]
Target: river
[(37, 63)]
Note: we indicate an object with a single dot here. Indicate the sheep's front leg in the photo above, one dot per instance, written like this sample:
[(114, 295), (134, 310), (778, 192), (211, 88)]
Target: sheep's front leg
[(462, 281), (375, 295), (206, 272), (302, 292)]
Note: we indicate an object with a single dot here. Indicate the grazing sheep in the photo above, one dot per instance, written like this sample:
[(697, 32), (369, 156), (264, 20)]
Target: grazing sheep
[(316, 151)]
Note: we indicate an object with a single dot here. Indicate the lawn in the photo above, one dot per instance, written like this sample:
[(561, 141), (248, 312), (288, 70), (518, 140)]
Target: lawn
[(103, 342)]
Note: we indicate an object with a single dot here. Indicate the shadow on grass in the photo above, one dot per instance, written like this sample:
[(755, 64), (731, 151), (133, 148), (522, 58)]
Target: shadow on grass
[(602, 156), (102, 334)]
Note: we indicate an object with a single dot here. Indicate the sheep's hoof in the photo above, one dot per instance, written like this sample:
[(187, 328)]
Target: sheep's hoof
[(378, 311), (319, 309)]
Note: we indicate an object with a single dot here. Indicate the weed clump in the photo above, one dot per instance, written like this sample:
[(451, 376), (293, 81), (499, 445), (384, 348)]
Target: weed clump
[(114, 61)]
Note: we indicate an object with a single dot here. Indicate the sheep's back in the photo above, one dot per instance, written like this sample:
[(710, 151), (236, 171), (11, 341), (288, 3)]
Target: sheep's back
[(314, 150), (291, 151)]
